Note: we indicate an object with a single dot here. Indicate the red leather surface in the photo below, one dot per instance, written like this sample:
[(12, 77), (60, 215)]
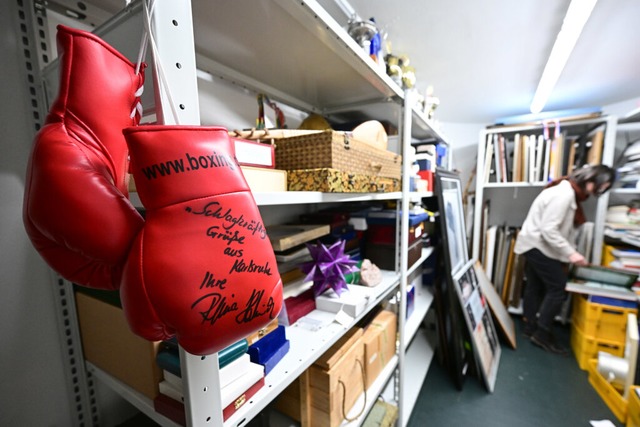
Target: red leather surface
[(202, 268), (76, 208)]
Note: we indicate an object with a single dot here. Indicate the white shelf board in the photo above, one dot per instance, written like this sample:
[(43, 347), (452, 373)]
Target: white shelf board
[(426, 253), (631, 117), (140, 401), (308, 60), (419, 195), (306, 197), (306, 55), (417, 360), (305, 348), (514, 184), (628, 191), (424, 299), (424, 127)]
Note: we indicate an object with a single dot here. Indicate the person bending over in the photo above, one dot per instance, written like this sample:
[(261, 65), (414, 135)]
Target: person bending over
[(546, 239)]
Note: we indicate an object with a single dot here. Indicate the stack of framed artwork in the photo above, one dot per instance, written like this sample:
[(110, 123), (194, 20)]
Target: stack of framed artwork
[(467, 299)]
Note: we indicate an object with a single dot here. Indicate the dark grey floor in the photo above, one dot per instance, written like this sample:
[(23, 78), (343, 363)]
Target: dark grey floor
[(533, 388)]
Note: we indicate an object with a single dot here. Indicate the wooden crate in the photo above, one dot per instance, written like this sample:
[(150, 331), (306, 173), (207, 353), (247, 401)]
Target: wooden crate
[(379, 344), (330, 387), (333, 392)]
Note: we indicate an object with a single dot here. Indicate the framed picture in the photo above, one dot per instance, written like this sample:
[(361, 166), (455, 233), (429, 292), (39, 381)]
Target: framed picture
[(449, 191), (470, 304), (452, 257), (475, 309)]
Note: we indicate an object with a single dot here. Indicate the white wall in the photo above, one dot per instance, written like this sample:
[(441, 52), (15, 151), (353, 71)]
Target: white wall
[(33, 387), (463, 140), (621, 109)]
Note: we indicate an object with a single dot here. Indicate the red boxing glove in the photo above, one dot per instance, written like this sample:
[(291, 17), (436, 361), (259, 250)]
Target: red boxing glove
[(202, 268), (76, 207)]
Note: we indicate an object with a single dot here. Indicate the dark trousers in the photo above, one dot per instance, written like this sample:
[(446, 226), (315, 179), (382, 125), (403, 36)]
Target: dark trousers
[(544, 292)]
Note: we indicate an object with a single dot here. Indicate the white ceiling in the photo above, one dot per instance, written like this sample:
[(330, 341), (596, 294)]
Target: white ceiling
[(484, 58)]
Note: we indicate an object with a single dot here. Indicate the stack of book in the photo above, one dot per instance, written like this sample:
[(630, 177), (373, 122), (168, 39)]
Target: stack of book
[(240, 378), (628, 166), (622, 226), (535, 158), (624, 258), (289, 244)]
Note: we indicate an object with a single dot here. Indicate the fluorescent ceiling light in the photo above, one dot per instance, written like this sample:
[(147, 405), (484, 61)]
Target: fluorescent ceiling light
[(577, 15)]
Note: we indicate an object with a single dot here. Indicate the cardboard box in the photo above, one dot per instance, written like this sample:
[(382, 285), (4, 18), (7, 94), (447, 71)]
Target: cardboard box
[(263, 180), (352, 302), (108, 343), (384, 256), (379, 344), (335, 381)]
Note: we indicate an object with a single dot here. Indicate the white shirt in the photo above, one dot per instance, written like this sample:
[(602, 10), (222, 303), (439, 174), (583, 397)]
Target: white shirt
[(549, 223)]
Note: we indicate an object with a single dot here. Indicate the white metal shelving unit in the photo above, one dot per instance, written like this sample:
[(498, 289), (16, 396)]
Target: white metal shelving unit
[(294, 51), (518, 196), (628, 130)]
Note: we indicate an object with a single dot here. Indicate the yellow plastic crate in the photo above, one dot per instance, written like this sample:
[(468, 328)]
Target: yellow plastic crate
[(586, 347), (600, 321), (633, 407), (607, 256), (607, 392)]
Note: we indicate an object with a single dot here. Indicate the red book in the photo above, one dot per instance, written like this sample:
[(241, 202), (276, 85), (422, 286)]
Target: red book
[(296, 307)]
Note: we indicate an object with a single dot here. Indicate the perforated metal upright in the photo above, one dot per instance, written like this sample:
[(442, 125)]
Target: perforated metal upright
[(172, 24), (405, 138), (36, 48)]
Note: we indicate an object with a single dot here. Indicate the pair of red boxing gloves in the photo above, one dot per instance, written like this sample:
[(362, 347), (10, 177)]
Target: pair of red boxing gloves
[(199, 265)]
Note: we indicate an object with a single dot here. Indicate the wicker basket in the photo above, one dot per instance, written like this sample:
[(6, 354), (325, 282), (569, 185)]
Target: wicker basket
[(336, 150), (328, 180)]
